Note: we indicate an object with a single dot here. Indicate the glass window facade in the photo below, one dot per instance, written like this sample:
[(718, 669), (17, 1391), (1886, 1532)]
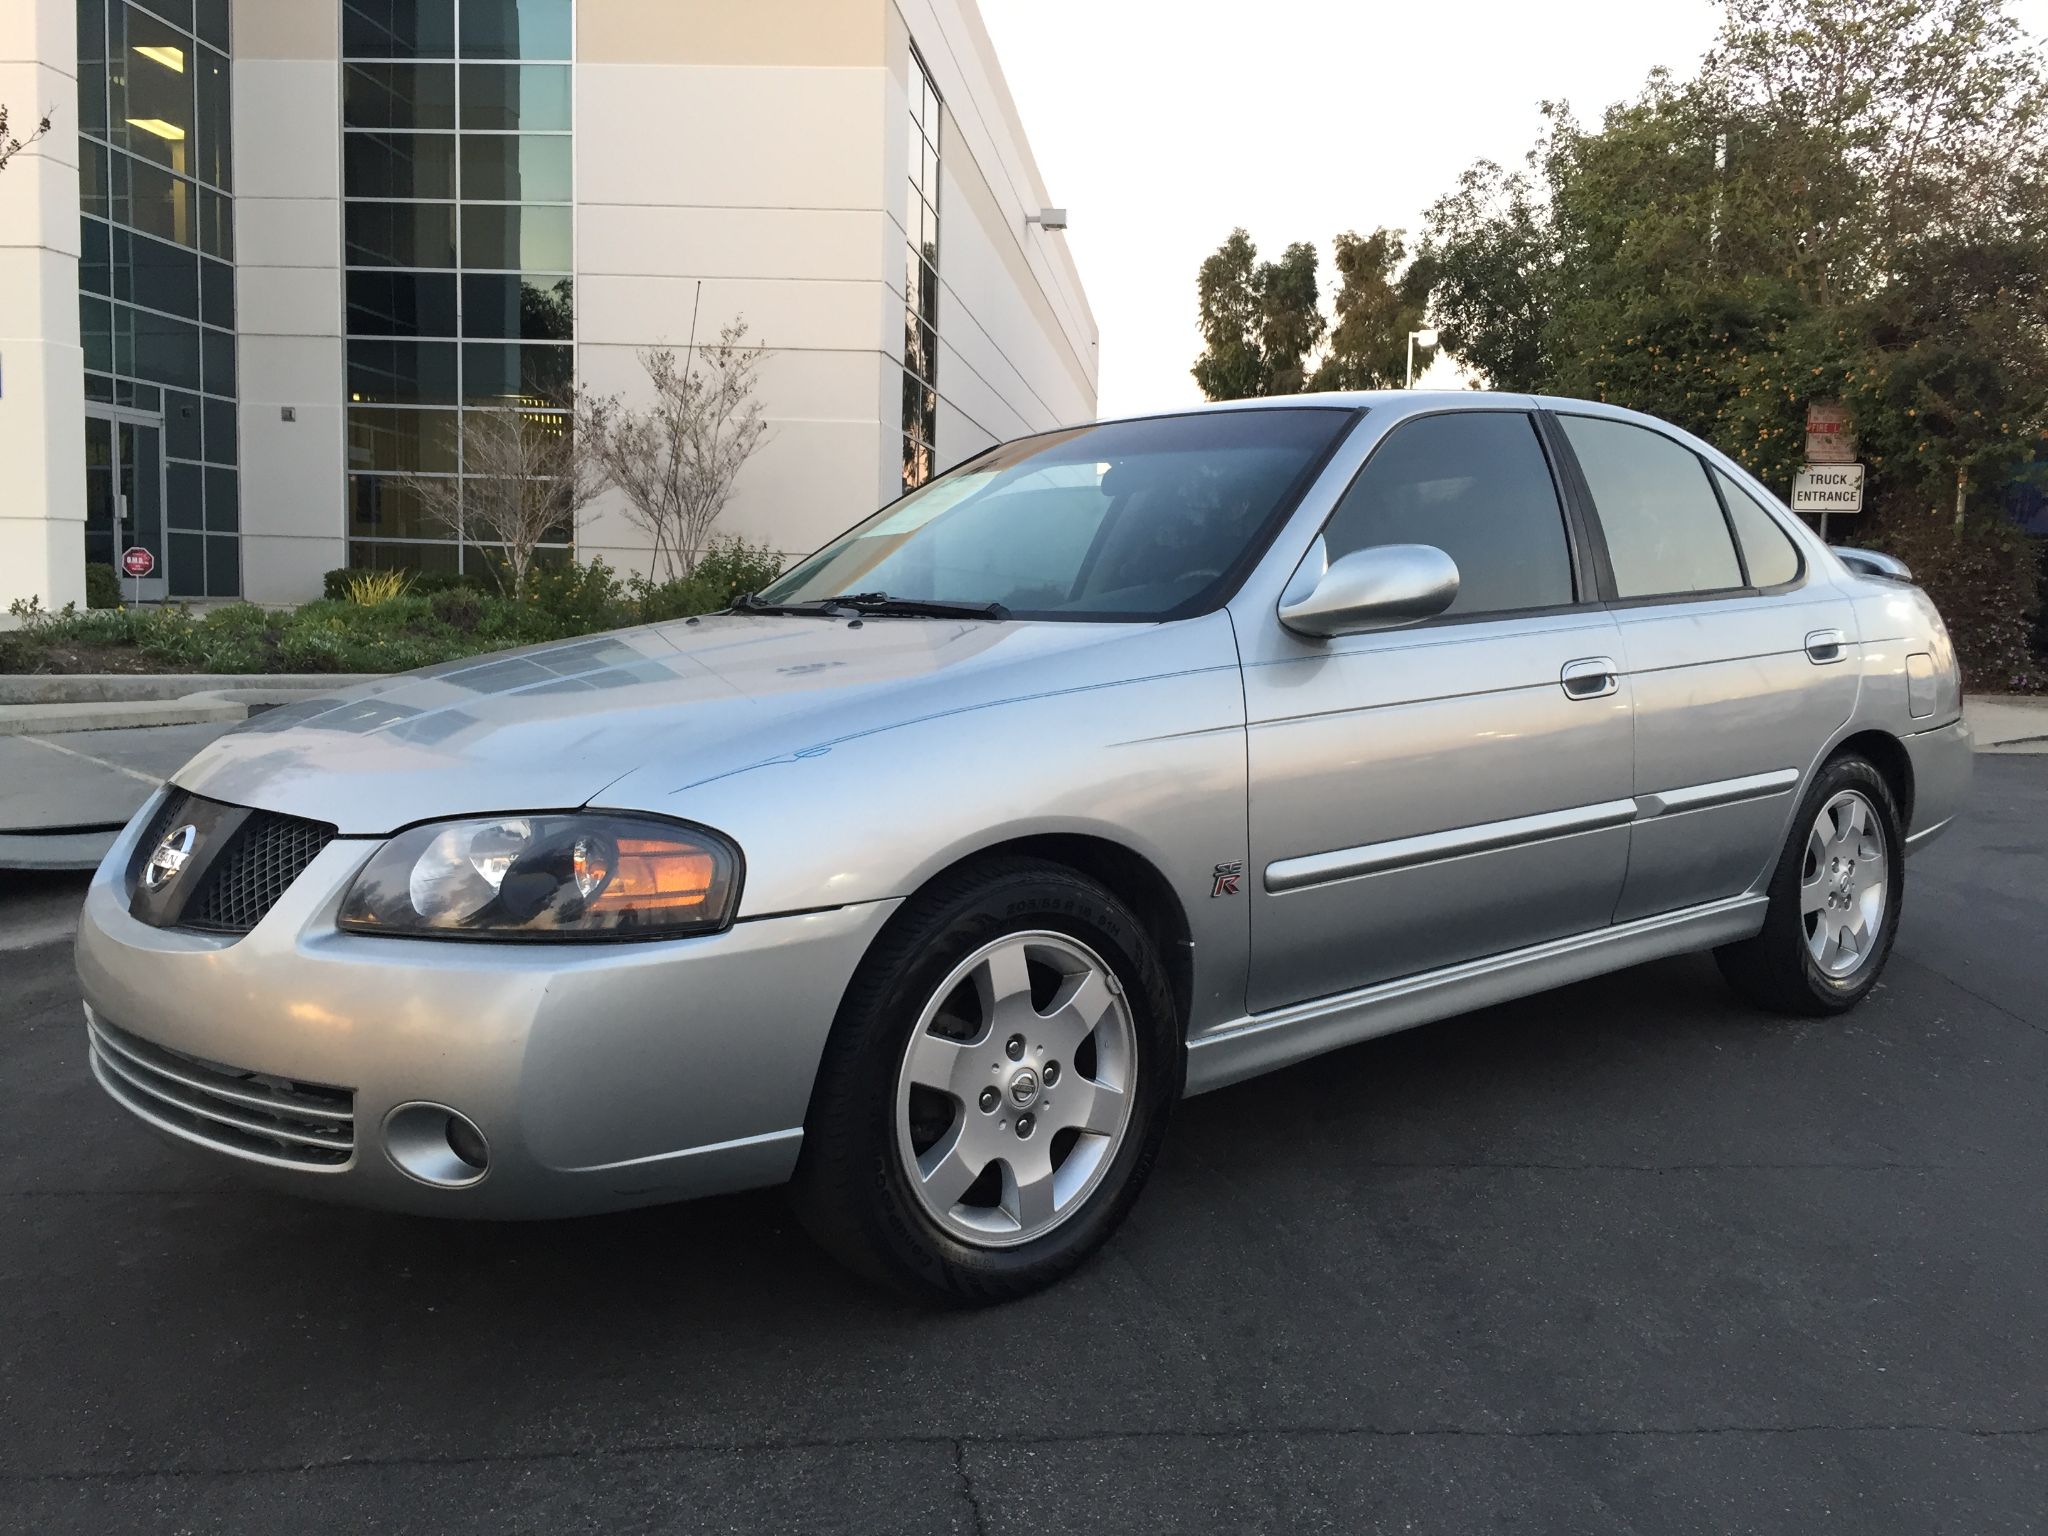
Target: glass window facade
[(921, 282), (459, 244), (157, 289)]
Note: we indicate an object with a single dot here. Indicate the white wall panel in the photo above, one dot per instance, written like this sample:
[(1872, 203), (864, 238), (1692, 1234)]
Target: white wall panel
[(42, 414), (641, 240), (733, 137), (287, 128), (641, 311)]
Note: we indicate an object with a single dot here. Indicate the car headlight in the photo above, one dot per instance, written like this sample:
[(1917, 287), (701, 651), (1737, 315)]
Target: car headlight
[(582, 875)]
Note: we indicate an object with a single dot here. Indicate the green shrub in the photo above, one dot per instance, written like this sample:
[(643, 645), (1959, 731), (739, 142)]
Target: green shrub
[(433, 621), (460, 608), (1985, 580), (334, 585), (577, 599), (732, 567), (366, 589), (102, 585), (729, 568)]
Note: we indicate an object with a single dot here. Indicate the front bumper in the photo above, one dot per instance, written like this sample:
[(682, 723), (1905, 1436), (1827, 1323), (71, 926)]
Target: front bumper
[(601, 1076)]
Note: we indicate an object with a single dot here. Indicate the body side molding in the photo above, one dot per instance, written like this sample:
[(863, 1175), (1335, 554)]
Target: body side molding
[(1427, 848), (1313, 869)]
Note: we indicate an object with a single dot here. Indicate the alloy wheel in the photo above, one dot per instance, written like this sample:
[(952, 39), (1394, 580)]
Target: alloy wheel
[(1842, 884), (1015, 1089)]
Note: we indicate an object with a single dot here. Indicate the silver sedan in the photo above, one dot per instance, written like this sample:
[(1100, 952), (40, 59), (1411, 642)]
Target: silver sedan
[(1121, 762)]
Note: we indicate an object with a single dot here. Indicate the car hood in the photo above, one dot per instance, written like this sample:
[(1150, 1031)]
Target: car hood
[(556, 726)]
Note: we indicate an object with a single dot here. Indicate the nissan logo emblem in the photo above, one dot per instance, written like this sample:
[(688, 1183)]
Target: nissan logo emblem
[(169, 857)]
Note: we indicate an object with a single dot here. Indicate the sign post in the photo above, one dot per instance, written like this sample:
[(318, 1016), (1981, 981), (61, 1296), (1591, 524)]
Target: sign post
[(137, 562)]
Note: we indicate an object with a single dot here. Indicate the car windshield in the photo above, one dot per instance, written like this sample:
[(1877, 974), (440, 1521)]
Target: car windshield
[(1131, 520)]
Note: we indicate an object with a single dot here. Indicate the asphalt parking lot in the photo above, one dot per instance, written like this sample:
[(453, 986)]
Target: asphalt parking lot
[(1626, 1257)]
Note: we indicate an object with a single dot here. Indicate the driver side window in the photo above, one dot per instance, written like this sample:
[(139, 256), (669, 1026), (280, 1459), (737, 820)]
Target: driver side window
[(1476, 485)]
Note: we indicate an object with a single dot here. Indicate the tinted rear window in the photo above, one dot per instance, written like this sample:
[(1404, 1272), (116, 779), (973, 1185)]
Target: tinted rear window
[(1665, 532)]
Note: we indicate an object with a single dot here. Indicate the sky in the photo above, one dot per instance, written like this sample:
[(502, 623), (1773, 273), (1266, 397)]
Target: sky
[(1162, 124)]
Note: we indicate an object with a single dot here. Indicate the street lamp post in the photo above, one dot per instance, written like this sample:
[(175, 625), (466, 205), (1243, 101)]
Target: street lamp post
[(1428, 339)]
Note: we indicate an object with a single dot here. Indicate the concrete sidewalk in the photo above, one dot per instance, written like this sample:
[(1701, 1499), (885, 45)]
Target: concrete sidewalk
[(2008, 722)]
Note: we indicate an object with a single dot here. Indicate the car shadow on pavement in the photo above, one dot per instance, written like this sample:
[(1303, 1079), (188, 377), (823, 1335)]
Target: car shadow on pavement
[(1508, 1082)]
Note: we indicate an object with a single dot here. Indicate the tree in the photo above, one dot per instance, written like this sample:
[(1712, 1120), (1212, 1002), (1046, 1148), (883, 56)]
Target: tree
[(1233, 361), (1849, 200), (676, 459), (1260, 321), (1290, 318), (1379, 304), (11, 146), (527, 477)]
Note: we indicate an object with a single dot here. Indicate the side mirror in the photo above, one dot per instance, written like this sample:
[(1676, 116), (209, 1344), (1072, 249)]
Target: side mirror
[(1379, 588), (1868, 562)]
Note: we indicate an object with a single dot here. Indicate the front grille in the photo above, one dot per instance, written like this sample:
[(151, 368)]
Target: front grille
[(268, 853), (250, 1115)]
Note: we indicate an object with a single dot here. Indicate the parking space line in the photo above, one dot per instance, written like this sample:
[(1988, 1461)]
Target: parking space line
[(152, 780)]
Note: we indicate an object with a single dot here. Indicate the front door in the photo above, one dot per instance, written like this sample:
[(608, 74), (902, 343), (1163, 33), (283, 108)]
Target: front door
[(1460, 788), (124, 494), (1741, 668)]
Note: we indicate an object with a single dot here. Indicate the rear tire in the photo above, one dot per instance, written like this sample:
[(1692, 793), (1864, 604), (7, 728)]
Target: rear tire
[(995, 1087), (1835, 899)]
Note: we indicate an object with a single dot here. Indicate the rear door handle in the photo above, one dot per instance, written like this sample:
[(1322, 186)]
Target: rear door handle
[(1826, 645), (1591, 677)]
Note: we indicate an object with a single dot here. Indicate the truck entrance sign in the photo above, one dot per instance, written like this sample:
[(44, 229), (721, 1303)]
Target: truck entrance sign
[(1826, 488)]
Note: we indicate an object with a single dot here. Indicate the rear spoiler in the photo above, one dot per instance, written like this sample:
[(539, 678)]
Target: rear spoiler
[(1870, 562)]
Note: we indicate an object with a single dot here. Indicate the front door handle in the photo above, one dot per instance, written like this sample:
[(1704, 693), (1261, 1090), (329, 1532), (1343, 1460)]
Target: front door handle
[(1826, 645), (1591, 677)]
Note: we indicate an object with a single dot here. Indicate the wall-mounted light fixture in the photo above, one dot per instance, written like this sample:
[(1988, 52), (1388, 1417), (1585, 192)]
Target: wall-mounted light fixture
[(1048, 218)]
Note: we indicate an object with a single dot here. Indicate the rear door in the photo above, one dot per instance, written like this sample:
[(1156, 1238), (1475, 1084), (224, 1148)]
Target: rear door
[(1740, 667), (1458, 788)]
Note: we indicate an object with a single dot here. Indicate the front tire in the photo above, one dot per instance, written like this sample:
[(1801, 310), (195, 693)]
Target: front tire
[(995, 1088), (1835, 899)]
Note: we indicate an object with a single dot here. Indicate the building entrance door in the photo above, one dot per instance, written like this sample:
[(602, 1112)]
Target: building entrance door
[(124, 493)]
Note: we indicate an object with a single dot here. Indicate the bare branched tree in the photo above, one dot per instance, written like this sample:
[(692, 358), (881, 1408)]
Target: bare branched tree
[(11, 146), (676, 459), (527, 477)]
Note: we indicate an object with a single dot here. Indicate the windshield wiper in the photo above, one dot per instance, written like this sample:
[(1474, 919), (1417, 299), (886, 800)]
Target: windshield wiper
[(918, 607), (872, 604), (826, 608)]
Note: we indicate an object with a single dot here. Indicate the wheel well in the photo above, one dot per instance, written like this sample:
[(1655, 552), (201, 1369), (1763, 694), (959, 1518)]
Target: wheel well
[(1132, 879), (1889, 758)]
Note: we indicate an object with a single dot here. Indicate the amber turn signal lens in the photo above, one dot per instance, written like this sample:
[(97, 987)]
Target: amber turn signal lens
[(656, 877)]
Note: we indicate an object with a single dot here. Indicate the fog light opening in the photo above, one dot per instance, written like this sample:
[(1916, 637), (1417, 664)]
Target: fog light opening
[(436, 1145)]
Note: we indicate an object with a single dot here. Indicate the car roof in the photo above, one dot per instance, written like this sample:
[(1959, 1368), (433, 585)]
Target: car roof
[(1409, 401)]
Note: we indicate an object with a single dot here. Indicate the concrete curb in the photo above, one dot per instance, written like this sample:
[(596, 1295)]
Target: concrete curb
[(49, 719), (44, 705), (120, 687)]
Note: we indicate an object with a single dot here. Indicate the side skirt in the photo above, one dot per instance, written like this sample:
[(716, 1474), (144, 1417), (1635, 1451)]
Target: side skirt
[(1264, 1042)]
